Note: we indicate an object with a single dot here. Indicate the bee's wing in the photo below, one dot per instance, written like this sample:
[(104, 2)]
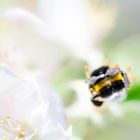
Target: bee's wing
[(117, 96), (126, 80), (91, 80), (113, 71)]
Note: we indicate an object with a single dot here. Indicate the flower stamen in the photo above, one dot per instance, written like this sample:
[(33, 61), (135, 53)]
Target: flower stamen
[(15, 130)]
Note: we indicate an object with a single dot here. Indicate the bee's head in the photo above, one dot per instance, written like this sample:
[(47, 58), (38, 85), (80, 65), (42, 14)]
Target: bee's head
[(99, 71)]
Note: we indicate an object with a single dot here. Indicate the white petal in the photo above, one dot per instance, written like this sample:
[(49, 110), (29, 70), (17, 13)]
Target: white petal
[(17, 97), (70, 19), (53, 131), (36, 103), (83, 106), (23, 17), (55, 111)]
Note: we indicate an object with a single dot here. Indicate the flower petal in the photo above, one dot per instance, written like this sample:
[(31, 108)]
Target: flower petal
[(17, 97)]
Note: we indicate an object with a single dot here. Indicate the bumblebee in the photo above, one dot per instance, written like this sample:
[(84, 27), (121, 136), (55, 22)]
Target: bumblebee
[(107, 84)]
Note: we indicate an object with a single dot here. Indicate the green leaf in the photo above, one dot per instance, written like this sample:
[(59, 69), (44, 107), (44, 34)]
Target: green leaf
[(134, 93)]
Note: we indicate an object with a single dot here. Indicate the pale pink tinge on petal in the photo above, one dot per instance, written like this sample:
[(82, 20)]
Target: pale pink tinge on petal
[(18, 97), (32, 102)]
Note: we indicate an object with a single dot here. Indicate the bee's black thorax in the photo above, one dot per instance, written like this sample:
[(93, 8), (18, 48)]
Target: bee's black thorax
[(99, 71)]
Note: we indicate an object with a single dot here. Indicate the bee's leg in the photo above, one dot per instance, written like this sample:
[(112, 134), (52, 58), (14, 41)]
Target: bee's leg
[(87, 71), (115, 66), (128, 69), (133, 78), (95, 101), (106, 61)]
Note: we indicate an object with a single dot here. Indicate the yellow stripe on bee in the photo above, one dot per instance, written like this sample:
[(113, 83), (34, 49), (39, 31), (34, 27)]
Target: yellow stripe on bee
[(106, 82)]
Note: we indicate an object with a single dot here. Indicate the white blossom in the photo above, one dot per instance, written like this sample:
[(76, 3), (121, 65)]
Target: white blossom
[(29, 110)]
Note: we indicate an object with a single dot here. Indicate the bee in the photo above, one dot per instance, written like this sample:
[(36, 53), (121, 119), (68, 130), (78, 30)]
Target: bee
[(107, 84)]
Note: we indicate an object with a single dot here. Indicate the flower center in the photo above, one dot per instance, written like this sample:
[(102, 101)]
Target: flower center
[(15, 130)]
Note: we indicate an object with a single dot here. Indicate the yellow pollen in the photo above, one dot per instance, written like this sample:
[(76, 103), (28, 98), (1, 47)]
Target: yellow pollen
[(20, 135)]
